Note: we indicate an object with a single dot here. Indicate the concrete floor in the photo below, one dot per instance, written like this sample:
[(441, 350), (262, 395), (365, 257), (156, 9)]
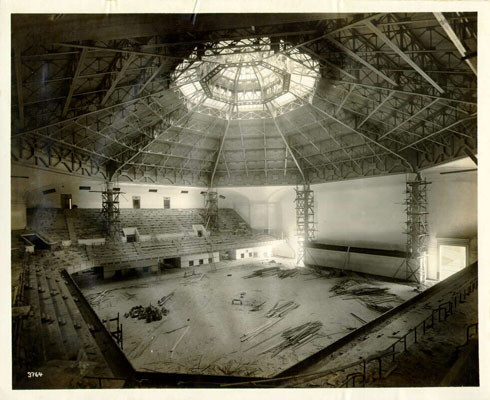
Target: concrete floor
[(211, 344)]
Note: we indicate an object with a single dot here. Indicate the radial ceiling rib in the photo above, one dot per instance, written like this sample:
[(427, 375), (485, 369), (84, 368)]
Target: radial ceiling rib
[(211, 182), (286, 142), (139, 151), (120, 75), (363, 135), (78, 70)]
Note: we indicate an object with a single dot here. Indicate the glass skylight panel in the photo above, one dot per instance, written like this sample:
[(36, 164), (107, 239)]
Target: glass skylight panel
[(246, 75)]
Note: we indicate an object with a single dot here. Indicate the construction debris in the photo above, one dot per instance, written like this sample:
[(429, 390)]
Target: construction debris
[(149, 314), (358, 318), (273, 271), (296, 337), (259, 330), (279, 310), (192, 278), (374, 297), (257, 307), (178, 341), (164, 299)]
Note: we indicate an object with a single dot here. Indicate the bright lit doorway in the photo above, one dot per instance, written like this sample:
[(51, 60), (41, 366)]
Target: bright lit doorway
[(452, 258)]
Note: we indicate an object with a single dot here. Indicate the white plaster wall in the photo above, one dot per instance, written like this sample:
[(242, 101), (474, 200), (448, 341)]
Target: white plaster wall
[(30, 190), (364, 213)]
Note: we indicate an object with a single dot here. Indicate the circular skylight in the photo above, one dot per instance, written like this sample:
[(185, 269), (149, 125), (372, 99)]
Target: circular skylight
[(244, 79)]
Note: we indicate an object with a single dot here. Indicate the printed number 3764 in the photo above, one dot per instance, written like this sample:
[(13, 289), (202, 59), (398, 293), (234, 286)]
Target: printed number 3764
[(35, 374)]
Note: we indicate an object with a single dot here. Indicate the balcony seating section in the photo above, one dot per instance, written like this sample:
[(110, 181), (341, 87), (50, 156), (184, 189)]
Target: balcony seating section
[(160, 221), (88, 223), (115, 253), (49, 222)]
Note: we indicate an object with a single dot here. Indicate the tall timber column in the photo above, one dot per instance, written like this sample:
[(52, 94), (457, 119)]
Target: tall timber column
[(417, 229), (305, 220)]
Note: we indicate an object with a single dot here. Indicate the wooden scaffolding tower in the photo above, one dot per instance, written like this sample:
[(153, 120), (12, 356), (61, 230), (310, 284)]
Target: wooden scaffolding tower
[(305, 220), (110, 211), (416, 229), (211, 210)]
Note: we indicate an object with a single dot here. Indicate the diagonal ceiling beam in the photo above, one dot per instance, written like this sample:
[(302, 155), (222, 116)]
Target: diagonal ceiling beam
[(96, 132), (375, 109), (362, 134), (115, 50), (118, 77), (409, 118), (403, 56), (309, 140), (370, 17), (471, 155), (269, 107), (211, 182), (142, 149), (440, 131), (123, 103), (360, 60), (78, 70), (344, 99), (18, 78), (159, 69), (454, 38), (411, 93)]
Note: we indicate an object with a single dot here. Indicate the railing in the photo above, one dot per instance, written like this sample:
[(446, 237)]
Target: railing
[(468, 333), (441, 312)]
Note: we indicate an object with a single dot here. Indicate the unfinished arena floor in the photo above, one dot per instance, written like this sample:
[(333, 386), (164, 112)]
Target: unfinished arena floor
[(201, 306)]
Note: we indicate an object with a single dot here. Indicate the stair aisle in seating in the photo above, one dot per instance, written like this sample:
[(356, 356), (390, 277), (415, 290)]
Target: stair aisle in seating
[(68, 333), (55, 348), (87, 342), (34, 327)]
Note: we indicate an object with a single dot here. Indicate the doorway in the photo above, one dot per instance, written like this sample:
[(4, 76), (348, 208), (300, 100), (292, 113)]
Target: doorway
[(136, 202), (66, 201), (452, 258)]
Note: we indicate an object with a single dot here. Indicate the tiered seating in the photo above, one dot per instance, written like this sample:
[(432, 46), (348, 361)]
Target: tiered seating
[(160, 221), (49, 222), (230, 221), (126, 252), (87, 223), (113, 253), (56, 329)]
